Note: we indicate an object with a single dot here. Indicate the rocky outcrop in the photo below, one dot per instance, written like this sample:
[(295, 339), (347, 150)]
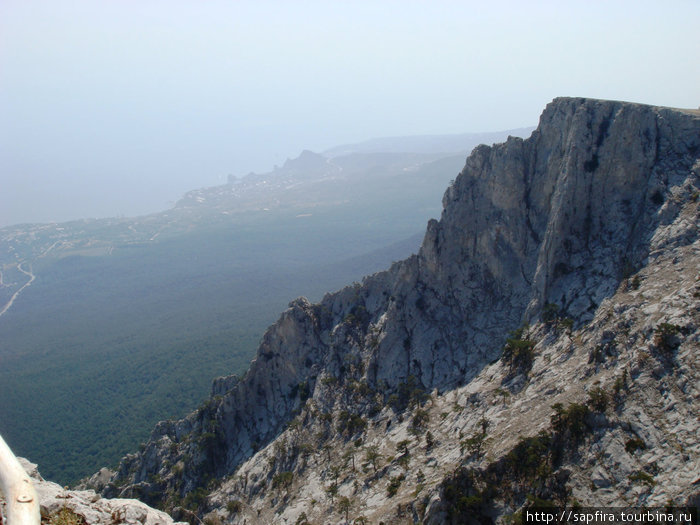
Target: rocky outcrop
[(625, 432), (59, 505), (532, 230)]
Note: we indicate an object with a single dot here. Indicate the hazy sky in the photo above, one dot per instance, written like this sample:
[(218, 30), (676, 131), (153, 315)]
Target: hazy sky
[(118, 107)]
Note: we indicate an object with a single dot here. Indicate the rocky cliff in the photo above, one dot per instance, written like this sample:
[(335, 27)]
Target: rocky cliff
[(554, 305)]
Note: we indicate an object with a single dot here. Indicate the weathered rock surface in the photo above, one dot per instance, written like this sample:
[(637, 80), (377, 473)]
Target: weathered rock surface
[(588, 230), (59, 505)]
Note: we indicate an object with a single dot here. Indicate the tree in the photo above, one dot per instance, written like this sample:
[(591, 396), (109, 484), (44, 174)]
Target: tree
[(504, 394), (420, 419), (373, 456), (519, 350), (666, 337), (474, 444), (402, 446), (598, 399), (350, 456), (335, 472), (484, 425), (344, 505), (283, 480), (332, 491), (429, 441), (550, 314), (328, 449)]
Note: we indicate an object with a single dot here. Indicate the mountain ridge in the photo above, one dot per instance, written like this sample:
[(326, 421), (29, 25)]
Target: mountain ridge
[(191, 289), (545, 231)]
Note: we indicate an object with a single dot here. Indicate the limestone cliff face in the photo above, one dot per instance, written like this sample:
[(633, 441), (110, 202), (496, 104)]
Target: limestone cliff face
[(599, 190)]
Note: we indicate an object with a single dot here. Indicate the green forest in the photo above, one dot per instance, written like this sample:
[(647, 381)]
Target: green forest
[(101, 347)]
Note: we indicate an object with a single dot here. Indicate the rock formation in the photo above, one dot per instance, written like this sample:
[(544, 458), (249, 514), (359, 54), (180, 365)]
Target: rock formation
[(554, 304), (64, 506)]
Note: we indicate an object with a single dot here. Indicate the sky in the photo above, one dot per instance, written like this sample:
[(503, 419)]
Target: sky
[(118, 107)]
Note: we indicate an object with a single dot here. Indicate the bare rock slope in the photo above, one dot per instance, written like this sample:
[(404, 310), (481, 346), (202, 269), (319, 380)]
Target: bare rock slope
[(541, 346)]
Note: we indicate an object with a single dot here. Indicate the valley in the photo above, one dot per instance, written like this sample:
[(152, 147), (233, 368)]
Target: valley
[(128, 320)]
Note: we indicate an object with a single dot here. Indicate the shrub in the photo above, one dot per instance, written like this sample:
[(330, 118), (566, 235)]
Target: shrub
[(566, 324), (429, 441), (361, 388), (329, 380), (394, 484), (598, 399), (550, 314), (634, 444), (195, 499), (350, 424), (325, 417), (464, 499), (473, 444), (420, 418), (666, 337), (519, 351), (302, 519), (344, 505), (295, 424), (373, 456), (408, 393), (570, 420), (620, 383), (635, 282), (503, 393), (283, 480), (332, 491), (305, 448), (303, 391), (66, 516), (233, 506), (358, 316), (642, 477), (529, 458), (402, 446)]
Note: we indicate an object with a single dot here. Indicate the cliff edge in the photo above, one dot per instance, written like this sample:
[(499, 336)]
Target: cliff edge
[(563, 263)]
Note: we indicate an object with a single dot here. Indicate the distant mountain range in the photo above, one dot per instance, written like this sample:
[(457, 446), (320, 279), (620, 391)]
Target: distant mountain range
[(461, 143)]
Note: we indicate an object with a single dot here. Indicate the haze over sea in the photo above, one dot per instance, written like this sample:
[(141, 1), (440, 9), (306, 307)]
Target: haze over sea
[(117, 108)]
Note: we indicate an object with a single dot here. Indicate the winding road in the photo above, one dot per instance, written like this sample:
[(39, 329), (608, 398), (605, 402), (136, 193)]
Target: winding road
[(16, 294)]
